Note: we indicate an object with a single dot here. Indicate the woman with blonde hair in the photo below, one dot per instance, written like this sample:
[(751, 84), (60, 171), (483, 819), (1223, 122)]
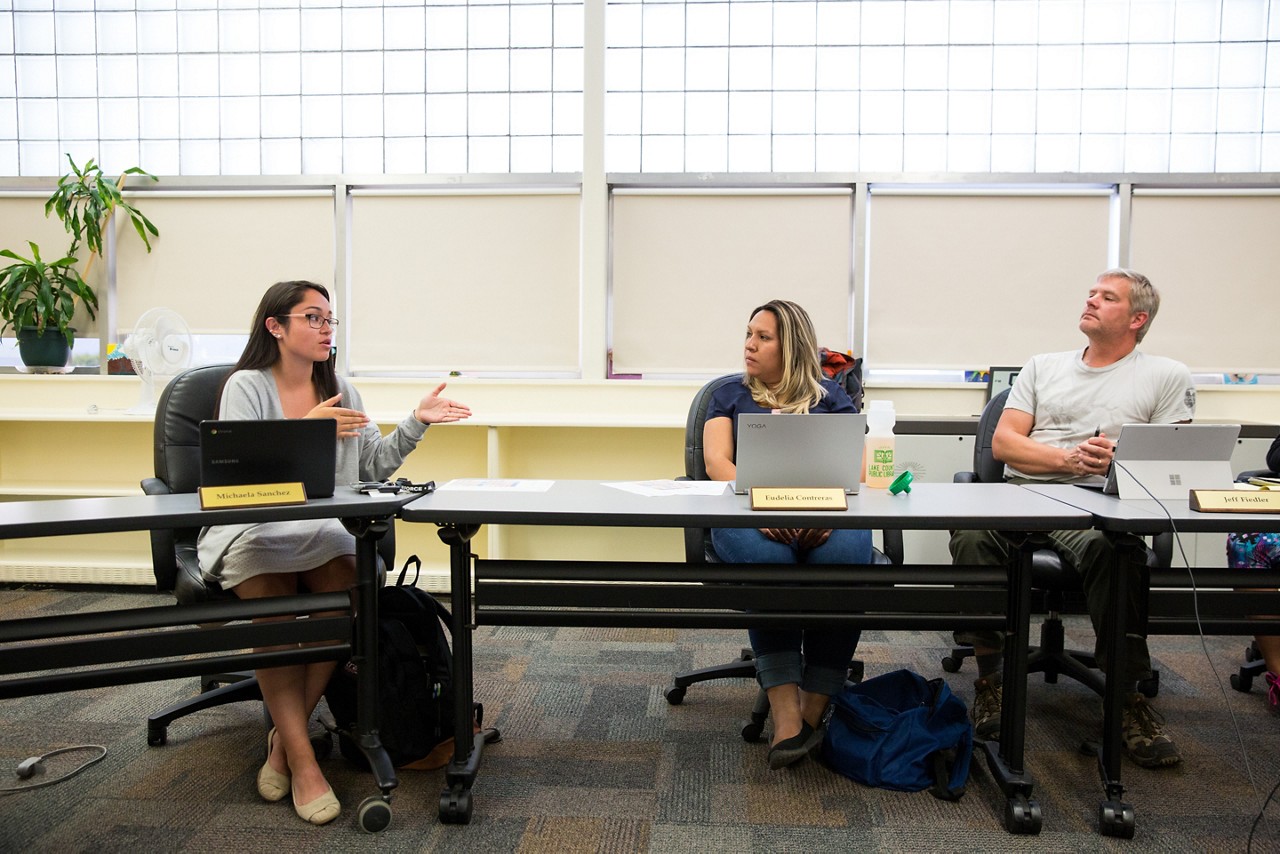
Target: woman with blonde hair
[(800, 669)]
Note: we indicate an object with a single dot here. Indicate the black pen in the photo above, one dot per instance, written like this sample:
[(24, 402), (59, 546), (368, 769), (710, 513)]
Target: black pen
[(1097, 433)]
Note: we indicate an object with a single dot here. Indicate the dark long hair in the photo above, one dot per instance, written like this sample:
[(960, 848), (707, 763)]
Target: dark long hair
[(262, 351)]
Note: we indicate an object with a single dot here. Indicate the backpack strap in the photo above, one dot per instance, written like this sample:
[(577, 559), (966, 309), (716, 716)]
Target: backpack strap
[(417, 570)]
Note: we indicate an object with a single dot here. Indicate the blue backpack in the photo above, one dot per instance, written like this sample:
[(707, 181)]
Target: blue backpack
[(900, 731)]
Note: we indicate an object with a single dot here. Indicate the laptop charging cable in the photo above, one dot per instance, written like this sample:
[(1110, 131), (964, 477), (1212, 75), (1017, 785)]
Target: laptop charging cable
[(1195, 602)]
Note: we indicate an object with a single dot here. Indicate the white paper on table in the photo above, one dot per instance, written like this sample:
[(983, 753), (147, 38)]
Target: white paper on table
[(478, 484), (658, 488)]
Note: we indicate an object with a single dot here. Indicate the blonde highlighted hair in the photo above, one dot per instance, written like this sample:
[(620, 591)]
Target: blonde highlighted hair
[(801, 385)]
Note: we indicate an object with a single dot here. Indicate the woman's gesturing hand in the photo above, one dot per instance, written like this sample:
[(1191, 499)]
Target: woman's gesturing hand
[(434, 409), (350, 421)]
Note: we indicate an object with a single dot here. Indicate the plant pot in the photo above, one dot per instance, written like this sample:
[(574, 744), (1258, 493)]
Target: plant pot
[(43, 350)]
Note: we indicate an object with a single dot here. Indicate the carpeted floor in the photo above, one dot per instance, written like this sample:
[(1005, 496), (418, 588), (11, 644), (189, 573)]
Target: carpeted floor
[(594, 759)]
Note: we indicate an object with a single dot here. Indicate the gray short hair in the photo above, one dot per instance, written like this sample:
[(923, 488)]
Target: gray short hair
[(1143, 295)]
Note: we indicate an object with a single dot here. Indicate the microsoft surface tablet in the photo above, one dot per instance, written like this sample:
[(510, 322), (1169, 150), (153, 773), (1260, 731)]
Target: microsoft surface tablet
[(818, 450), (1170, 459), (235, 453)]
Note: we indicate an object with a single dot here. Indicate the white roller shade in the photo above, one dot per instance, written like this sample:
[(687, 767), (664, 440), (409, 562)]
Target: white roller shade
[(1216, 260), (217, 254), (969, 281), (688, 269), (486, 282)]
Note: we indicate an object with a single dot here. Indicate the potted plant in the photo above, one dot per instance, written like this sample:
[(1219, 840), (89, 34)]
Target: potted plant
[(38, 297)]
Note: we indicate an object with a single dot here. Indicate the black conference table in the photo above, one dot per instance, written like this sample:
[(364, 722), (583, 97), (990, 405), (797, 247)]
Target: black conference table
[(1181, 600), (638, 592), (172, 632)]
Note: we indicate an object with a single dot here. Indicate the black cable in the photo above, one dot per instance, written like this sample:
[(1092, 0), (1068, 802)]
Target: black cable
[(1195, 601), (40, 785), (1254, 827)]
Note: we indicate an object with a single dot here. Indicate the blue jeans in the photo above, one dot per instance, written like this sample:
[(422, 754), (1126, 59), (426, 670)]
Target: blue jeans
[(815, 659)]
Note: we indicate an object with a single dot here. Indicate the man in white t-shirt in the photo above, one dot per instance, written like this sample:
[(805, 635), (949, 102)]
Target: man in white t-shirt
[(1057, 426)]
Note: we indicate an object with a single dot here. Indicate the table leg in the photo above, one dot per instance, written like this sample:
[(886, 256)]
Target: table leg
[(1116, 818), (1005, 757), (374, 813), (468, 747)]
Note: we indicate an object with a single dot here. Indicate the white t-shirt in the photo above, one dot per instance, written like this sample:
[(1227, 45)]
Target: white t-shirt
[(1070, 400)]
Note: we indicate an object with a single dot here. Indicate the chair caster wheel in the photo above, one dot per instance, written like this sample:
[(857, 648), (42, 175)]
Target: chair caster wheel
[(374, 814), (157, 736), (1241, 682), (674, 695), (1116, 819), (751, 732), (952, 665), (455, 805), (1022, 816)]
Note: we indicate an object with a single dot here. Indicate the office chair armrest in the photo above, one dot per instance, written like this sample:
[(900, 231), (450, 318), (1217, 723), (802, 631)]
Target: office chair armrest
[(695, 548), (891, 539), (1245, 475), (965, 477), (1162, 548), (155, 486), (163, 542)]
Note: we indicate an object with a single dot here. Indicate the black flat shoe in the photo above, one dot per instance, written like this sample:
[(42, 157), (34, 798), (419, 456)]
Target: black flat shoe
[(789, 751)]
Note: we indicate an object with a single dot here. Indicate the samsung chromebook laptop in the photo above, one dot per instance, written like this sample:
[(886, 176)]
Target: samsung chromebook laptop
[(817, 450), (235, 453), (1171, 459)]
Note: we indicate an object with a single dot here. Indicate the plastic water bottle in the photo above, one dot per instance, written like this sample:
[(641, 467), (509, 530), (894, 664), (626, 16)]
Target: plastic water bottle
[(880, 444)]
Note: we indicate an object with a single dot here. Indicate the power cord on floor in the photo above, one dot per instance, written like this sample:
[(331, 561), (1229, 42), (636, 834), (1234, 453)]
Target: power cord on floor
[(32, 765), (1204, 646)]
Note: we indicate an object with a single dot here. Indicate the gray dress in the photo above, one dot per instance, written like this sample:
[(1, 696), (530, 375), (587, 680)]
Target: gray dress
[(229, 554)]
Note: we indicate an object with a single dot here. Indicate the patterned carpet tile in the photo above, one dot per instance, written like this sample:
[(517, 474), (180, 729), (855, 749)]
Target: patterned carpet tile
[(594, 759)]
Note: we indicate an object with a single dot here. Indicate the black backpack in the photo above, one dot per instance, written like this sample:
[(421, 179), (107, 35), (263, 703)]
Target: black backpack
[(415, 678)]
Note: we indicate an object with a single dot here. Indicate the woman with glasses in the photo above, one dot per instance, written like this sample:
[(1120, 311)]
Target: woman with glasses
[(286, 371)]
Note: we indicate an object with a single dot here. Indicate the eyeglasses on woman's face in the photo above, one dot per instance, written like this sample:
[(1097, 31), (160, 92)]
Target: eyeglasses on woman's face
[(315, 321)]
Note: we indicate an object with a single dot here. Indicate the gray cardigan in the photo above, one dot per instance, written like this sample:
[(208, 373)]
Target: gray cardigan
[(370, 456)]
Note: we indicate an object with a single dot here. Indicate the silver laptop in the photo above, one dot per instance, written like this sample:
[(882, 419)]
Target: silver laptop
[(1170, 459), (235, 453), (818, 450)]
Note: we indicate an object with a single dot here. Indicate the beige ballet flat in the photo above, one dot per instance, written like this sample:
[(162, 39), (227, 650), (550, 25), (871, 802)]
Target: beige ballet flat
[(272, 785), (322, 810)]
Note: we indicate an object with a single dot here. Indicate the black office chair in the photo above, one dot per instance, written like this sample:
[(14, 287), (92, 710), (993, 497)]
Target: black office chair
[(192, 397), (1050, 576), (1253, 666), (698, 549)]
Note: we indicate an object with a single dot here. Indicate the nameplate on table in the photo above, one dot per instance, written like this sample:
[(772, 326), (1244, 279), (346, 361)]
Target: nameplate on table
[(1235, 501), (252, 495), (795, 498)]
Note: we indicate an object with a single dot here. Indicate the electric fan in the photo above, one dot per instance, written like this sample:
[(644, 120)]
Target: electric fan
[(159, 348)]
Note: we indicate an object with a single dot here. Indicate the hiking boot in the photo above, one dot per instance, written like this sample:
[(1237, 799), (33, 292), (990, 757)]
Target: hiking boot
[(1273, 691), (988, 694), (1144, 739)]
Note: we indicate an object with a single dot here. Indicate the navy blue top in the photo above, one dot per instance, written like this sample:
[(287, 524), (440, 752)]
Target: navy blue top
[(732, 398)]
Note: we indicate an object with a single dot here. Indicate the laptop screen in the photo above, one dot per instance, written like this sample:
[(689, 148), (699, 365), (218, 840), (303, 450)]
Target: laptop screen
[(817, 450), (235, 453)]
